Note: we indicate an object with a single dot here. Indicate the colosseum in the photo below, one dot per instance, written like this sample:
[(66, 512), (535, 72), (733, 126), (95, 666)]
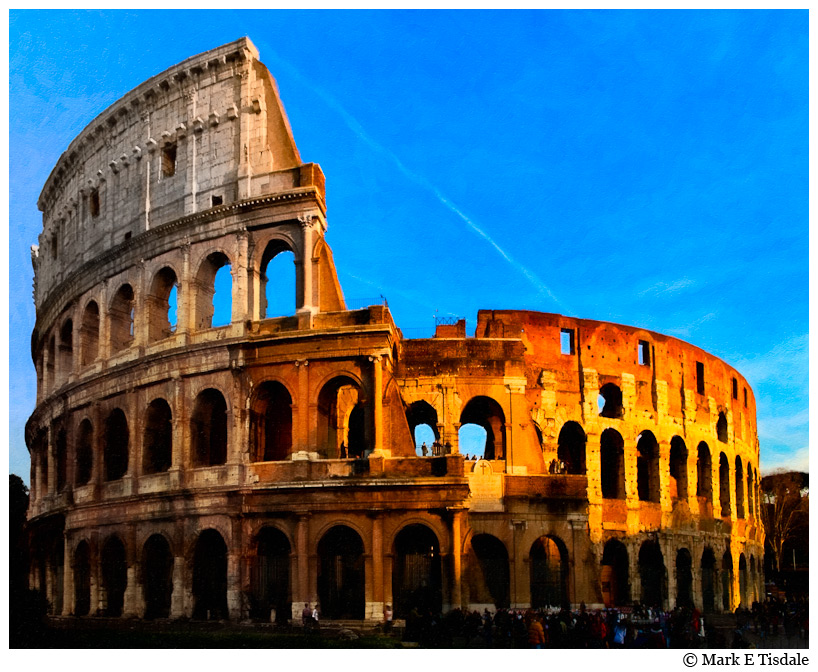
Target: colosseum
[(184, 466)]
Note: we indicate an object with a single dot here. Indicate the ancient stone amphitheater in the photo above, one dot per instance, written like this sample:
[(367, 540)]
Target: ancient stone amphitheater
[(184, 469)]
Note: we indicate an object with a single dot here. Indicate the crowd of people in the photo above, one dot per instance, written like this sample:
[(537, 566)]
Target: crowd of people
[(772, 619)]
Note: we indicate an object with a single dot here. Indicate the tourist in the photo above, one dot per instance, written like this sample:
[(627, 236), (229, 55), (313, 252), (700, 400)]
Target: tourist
[(387, 617)]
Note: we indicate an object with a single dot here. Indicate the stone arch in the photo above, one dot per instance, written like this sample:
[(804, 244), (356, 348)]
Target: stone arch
[(739, 486), (609, 401), (115, 442), (721, 428), (271, 422), (743, 583), (708, 573), (704, 472), (750, 499), (548, 567), (61, 456), (615, 574), (50, 368), (678, 469), (273, 250), (89, 334), (208, 429), (157, 576), (422, 413), (84, 452), (121, 319), (114, 571), (612, 462), (684, 578), (727, 580), (82, 579), (157, 445), (488, 414), (724, 485), (160, 303), (416, 573), (270, 574), (206, 289), (647, 467), (571, 447), (66, 348), (488, 571), (343, 430), (652, 574), (341, 573), (210, 576)]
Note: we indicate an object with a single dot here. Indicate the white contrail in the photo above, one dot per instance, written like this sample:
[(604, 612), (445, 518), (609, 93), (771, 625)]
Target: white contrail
[(359, 131)]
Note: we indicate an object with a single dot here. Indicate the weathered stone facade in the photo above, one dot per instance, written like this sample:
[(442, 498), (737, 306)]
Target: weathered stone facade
[(190, 470)]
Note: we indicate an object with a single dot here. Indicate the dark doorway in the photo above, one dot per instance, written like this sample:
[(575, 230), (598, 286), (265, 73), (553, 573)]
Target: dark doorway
[(549, 573), (157, 576), (571, 448), (489, 574), (115, 449), (727, 581), (708, 566), (158, 438), (614, 574), (270, 576), (416, 578), (341, 574), (208, 427), (652, 574), (114, 576), (210, 577), (684, 578), (612, 458), (272, 423), (82, 580)]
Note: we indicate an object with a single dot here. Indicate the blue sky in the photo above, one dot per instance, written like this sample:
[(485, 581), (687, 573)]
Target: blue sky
[(643, 167)]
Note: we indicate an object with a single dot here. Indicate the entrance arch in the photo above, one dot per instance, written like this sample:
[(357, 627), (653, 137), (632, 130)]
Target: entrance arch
[(114, 575), (708, 567), (548, 560), (727, 581), (488, 414), (342, 426), (82, 580), (684, 578), (652, 574), (271, 422), (341, 574), (270, 575), (210, 577), (571, 448), (157, 576), (614, 574), (488, 572), (416, 578)]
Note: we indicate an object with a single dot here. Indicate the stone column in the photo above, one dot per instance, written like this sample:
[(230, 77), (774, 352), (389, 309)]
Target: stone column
[(233, 585), (307, 243), (670, 569), (593, 471), (376, 608), (631, 486), (52, 467), (140, 309), (301, 440), (457, 562), (68, 579), (240, 307), (377, 406), (104, 343), (185, 295), (301, 587), (177, 601), (520, 589)]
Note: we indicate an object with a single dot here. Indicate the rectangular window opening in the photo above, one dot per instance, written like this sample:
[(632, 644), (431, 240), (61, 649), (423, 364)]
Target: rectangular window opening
[(128, 235), (169, 160), (93, 203), (745, 397), (735, 389), (644, 353), (215, 200), (567, 341), (699, 377)]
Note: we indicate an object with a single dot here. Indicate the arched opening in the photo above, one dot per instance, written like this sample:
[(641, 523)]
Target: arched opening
[(609, 401), (82, 580), (157, 447), (85, 453), (121, 319), (270, 576), (548, 560), (210, 577), (157, 576), (742, 580), (114, 576), (704, 473), (61, 458), (488, 572), (708, 566), (488, 414), (684, 578), (56, 572), (571, 448), (208, 426), (614, 574), (750, 501), (647, 467), (422, 419), (51, 365), (612, 459), (89, 334), (341, 574), (727, 581), (161, 305), (739, 489), (115, 445), (214, 292), (278, 291), (416, 578), (678, 469), (342, 426), (724, 485), (721, 428), (271, 423), (66, 349), (652, 574), (472, 440), (753, 590)]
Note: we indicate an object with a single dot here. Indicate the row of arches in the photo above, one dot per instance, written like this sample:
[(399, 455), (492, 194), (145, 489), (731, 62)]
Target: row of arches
[(711, 578), (211, 299)]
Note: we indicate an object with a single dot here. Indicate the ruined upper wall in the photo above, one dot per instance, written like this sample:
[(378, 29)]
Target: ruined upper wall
[(209, 131)]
